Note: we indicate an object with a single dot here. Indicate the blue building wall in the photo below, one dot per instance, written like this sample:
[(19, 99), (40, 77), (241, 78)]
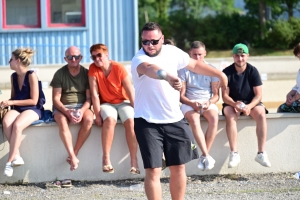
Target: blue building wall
[(112, 22)]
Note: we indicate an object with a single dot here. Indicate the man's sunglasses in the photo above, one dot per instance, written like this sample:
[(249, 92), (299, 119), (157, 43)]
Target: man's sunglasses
[(71, 57), (94, 57), (153, 42)]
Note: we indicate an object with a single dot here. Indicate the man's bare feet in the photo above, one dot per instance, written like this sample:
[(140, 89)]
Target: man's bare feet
[(68, 160), (74, 163)]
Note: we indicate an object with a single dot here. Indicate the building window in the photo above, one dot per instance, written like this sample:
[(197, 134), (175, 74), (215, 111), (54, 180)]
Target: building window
[(21, 14), (66, 13)]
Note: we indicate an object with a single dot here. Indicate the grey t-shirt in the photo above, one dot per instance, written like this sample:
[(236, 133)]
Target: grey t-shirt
[(198, 86)]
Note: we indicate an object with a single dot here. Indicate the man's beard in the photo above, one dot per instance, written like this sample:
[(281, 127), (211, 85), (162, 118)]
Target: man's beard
[(152, 55), (240, 65)]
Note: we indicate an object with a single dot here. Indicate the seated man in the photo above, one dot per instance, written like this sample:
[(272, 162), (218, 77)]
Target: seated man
[(198, 96), (112, 95), (72, 102), (243, 96)]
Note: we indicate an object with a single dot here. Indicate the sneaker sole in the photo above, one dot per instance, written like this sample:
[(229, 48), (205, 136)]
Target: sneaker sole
[(17, 164), (262, 164), (233, 166)]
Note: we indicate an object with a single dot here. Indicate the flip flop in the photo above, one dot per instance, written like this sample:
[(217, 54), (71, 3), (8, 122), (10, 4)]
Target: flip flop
[(55, 184), (108, 169), (134, 171), (67, 183)]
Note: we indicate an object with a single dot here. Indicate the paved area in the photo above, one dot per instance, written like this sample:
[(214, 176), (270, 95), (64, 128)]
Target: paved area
[(230, 186)]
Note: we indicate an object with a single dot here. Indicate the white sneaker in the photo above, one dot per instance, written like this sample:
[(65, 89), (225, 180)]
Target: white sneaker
[(262, 158), (234, 159), (201, 163), (209, 163), (8, 171), (17, 161)]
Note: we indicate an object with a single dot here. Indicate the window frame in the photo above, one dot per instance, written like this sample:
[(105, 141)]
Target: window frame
[(65, 25), (5, 26)]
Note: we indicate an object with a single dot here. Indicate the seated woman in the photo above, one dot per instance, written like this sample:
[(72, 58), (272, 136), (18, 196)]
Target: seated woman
[(292, 103), (24, 103), (112, 95)]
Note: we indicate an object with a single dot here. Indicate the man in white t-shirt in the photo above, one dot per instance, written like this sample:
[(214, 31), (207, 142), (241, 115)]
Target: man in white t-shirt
[(198, 96), (159, 124)]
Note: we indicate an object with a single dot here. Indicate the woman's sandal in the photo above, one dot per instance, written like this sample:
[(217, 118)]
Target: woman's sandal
[(54, 184), (108, 169), (134, 171), (67, 183)]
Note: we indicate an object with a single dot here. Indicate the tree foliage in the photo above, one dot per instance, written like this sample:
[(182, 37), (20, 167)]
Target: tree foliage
[(219, 25)]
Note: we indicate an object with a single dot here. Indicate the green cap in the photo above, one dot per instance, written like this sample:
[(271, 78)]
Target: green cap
[(240, 49)]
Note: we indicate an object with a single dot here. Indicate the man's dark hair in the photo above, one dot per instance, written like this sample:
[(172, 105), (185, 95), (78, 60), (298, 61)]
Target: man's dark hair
[(197, 44), (169, 41), (297, 49), (151, 26)]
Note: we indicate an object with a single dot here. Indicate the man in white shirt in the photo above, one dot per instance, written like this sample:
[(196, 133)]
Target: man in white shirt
[(159, 124)]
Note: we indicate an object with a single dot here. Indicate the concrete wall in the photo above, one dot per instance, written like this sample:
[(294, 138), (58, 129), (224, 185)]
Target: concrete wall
[(45, 155)]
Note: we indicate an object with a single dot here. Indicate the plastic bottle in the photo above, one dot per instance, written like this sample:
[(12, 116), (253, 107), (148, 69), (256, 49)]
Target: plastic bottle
[(297, 175), (136, 187), (242, 105), (76, 113)]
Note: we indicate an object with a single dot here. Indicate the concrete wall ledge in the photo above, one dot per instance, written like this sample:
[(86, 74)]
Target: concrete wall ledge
[(45, 155)]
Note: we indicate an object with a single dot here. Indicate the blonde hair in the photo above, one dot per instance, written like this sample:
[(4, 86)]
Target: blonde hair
[(24, 54)]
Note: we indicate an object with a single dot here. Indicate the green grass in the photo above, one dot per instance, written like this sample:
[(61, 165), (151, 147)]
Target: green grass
[(253, 52)]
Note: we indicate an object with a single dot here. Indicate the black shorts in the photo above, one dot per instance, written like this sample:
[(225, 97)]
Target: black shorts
[(174, 139), (259, 104)]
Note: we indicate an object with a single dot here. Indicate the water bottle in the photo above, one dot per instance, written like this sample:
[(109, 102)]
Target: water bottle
[(297, 175), (242, 105), (76, 113), (136, 187)]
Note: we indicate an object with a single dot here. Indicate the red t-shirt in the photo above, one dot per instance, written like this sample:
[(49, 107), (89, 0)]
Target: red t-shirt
[(110, 88)]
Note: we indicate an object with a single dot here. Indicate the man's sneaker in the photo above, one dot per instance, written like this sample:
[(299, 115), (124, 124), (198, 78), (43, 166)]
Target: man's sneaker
[(234, 159), (209, 163), (17, 161), (201, 163), (8, 171), (262, 158)]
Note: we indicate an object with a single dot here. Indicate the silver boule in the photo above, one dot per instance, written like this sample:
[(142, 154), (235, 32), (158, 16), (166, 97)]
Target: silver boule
[(161, 74)]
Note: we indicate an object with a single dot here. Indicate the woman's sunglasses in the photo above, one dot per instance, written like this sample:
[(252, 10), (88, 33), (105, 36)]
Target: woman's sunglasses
[(98, 55)]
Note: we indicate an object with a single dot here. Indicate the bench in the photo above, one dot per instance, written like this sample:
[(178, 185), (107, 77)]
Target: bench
[(45, 155)]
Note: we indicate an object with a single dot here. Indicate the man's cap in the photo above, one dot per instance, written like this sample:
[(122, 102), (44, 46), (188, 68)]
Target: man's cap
[(240, 49)]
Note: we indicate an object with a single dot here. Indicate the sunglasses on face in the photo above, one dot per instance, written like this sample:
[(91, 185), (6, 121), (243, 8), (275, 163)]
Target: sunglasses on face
[(73, 56), (98, 55), (153, 42)]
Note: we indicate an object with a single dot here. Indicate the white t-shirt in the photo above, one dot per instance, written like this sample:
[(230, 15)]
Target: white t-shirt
[(155, 100), (297, 86)]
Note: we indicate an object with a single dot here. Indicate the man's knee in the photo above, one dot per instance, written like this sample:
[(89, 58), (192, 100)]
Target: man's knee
[(213, 119), (177, 168), (192, 118), (153, 173), (88, 120)]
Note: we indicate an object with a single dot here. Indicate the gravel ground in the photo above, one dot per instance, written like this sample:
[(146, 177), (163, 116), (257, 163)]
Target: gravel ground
[(253, 186)]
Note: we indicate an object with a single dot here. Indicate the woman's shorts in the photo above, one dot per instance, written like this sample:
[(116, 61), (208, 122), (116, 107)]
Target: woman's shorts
[(124, 109)]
